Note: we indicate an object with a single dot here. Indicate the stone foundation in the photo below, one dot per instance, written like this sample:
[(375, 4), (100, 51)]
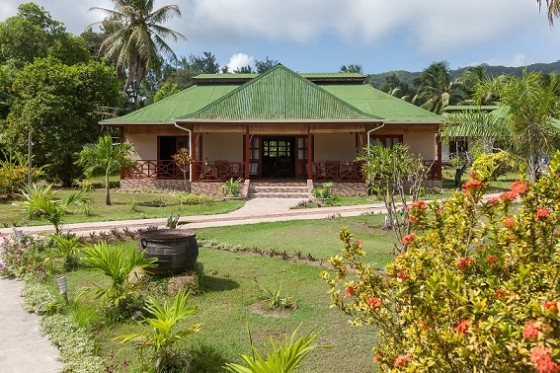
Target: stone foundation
[(208, 188)]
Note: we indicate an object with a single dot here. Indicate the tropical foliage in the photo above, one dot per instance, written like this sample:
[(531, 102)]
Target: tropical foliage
[(285, 357), (477, 286), (138, 41), (164, 332), (106, 156)]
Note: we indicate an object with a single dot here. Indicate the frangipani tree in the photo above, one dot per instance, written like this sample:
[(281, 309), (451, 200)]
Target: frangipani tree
[(106, 156)]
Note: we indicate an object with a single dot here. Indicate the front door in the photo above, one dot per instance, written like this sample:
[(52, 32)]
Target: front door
[(278, 160)]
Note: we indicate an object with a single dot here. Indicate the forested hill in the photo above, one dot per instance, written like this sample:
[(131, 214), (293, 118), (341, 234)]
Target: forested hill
[(378, 80)]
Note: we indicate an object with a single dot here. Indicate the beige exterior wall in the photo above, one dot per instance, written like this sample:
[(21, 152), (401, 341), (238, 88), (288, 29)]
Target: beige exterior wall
[(422, 143), (145, 146), (222, 146), (335, 147)]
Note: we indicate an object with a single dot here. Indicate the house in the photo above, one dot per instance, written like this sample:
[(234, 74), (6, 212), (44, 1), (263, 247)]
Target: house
[(277, 127)]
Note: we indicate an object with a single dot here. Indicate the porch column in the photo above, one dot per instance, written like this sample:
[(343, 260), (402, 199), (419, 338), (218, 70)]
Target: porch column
[(439, 159), (194, 164), (121, 139), (310, 152), (246, 158)]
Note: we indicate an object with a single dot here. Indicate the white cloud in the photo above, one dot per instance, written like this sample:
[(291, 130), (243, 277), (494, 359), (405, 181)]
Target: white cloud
[(239, 60)]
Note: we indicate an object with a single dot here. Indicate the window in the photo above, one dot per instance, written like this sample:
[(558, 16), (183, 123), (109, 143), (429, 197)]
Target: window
[(277, 148), (386, 140)]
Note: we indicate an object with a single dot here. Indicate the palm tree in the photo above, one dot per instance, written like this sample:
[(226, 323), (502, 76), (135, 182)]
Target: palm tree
[(106, 156), (553, 9), (138, 42), (435, 89), (528, 106)]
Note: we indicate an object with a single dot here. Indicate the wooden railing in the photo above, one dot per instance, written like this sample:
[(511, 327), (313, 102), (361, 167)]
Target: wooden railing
[(224, 170), (352, 171)]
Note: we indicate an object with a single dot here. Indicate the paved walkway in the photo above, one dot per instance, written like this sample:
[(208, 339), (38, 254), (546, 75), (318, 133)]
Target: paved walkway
[(22, 347)]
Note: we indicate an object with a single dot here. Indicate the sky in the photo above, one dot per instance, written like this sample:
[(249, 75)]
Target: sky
[(322, 35)]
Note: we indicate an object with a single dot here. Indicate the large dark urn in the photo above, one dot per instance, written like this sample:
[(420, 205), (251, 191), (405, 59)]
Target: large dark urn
[(176, 250)]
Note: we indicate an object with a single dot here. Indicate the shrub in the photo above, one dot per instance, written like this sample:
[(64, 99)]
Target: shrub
[(478, 284), (232, 187), (164, 332), (193, 199), (18, 256)]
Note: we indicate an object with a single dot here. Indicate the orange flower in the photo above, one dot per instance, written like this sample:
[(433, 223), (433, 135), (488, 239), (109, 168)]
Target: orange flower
[(350, 290), (472, 184), (374, 302), (403, 276), (418, 205), (510, 196), (464, 263), (408, 238), (402, 360), (540, 356), (509, 222), (462, 326), (492, 259), (551, 305), (500, 293), (519, 187), (377, 357), (531, 330), (542, 213), (492, 201), (413, 219)]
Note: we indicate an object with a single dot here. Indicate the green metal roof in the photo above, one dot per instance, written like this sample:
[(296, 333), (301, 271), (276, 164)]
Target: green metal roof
[(379, 104), (279, 94), (167, 110)]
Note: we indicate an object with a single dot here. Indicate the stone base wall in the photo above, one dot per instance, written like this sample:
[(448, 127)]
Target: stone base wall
[(208, 188), (348, 189)]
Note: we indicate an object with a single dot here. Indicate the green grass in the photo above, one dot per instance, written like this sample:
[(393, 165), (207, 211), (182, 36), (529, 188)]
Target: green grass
[(316, 237), (223, 309), (125, 205)]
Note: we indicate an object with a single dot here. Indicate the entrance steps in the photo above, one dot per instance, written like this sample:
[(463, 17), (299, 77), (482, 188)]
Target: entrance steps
[(278, 189)]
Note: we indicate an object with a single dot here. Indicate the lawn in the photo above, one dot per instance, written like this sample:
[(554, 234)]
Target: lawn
[(125, 205), (233, 281)]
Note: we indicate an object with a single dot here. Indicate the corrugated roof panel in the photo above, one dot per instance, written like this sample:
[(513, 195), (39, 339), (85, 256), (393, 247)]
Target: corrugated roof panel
[(279, 94), (379, 104)]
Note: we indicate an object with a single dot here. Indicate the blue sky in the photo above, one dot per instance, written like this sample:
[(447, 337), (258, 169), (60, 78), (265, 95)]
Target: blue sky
[(323, 35)]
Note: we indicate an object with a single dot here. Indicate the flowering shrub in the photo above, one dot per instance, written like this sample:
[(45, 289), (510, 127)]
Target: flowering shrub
[(478, 286), (17, 257)]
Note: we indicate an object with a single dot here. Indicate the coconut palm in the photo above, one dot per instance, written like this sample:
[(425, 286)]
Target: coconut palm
[(138, 42), (553, 9), (525, 118), (435, 88), (106, 156)]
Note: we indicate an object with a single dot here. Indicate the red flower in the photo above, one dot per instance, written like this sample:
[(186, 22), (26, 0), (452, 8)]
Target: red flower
[(551, 305), (510, 196), (540, 356), (472, 183), (462, 326), (350, 290), (439, 211), (500, 293), (377, 357), (509, 222), (418, 205), (542, 213), (402, 360), (464, 263), (510, 238), (519, 187), (531, 330), (403, 276), (374, 302), (492, 201), (413, 219), (408, 238), (492, 259)]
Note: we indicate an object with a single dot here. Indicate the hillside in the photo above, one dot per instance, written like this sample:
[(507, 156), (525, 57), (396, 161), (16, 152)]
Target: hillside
[(378, 80)]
